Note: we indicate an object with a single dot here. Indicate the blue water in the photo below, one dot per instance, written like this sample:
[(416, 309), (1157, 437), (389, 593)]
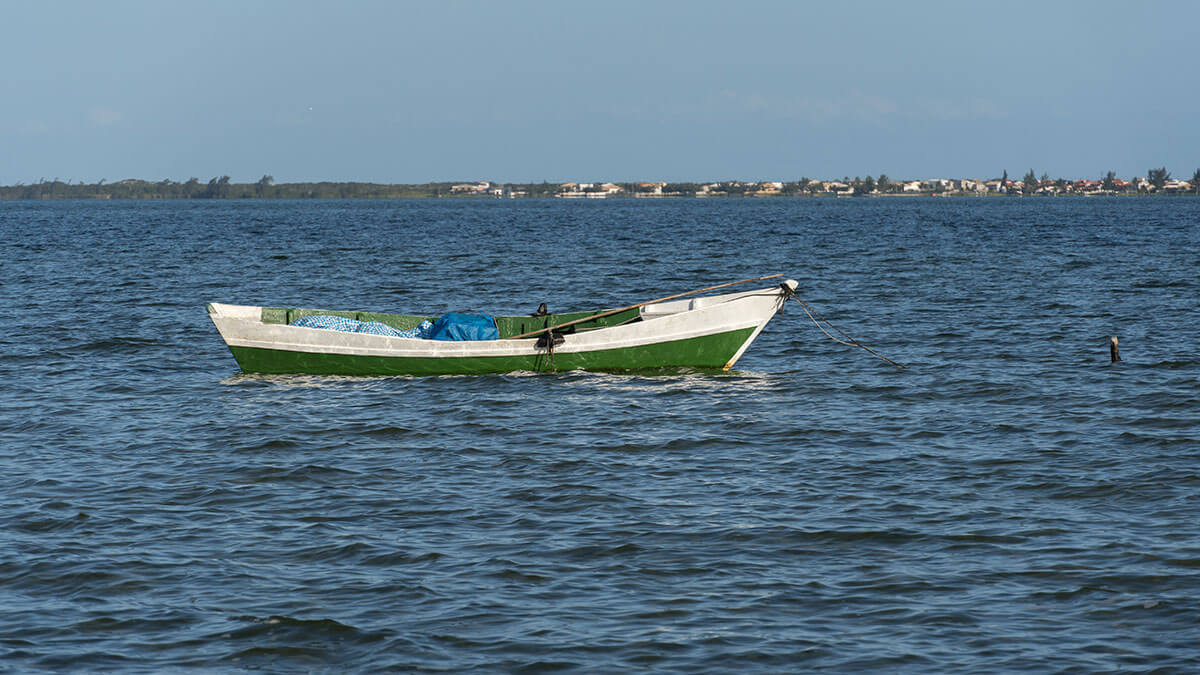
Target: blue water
[(1011, 501)]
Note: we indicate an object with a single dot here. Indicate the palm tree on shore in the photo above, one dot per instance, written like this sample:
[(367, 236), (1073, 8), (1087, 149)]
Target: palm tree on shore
[(1158, 177)]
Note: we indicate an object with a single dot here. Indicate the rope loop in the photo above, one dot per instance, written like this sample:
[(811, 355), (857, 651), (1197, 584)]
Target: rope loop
[(814, 316)]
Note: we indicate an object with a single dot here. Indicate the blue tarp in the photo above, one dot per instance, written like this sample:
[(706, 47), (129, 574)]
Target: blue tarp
[(452, 326)]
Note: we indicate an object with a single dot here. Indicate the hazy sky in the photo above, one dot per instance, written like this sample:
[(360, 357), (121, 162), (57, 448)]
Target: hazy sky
[(521, 91)]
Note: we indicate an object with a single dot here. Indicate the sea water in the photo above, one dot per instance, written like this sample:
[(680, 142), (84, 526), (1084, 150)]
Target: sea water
[(1010, 501)]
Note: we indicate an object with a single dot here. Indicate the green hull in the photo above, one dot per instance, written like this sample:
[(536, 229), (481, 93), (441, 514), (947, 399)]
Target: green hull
[(709, 351)]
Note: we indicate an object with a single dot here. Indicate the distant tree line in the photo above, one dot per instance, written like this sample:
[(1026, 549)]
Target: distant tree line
[(219, 187)]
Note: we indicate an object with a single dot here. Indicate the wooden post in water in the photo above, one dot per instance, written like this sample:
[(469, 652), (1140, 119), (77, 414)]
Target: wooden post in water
[(1112, 349)]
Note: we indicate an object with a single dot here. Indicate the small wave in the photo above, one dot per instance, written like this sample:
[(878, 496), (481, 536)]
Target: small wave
[(309, 473), (400, 558), (268, 444), (285, 626), (115, 344), (41, 523), (1175, 364), (1161, 283)]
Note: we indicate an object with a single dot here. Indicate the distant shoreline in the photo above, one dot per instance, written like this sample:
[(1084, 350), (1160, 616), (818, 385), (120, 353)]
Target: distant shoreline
[(266, 188)]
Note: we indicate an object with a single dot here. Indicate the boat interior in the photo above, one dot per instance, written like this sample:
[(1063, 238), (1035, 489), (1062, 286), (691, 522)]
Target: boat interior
[(507, 326)]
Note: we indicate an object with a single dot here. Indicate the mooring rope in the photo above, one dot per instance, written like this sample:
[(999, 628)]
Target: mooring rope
[(813, 315)]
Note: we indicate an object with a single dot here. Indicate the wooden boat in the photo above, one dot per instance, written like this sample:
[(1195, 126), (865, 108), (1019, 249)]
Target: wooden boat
[(703, 332)]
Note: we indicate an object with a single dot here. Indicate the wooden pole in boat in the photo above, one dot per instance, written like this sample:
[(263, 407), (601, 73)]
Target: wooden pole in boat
[(610, 312)]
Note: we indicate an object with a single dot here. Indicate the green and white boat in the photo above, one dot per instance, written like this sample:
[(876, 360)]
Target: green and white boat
[(701, 332)]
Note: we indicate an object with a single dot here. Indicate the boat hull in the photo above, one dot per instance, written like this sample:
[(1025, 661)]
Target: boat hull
[(709, 351), (709, 332)]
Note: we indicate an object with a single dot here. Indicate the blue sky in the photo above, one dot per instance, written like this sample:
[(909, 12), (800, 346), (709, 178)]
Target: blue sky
[(522, 91)]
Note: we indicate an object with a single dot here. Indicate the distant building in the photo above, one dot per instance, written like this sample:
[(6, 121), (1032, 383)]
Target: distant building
[(650, 189), (588, 190), (481, 187)]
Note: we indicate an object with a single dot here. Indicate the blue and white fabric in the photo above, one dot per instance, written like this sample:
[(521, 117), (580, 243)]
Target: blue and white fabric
[(421, 332), (330, 322)]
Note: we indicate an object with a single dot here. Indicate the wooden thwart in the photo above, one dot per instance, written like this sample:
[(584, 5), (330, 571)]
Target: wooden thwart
[(639, 305)]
